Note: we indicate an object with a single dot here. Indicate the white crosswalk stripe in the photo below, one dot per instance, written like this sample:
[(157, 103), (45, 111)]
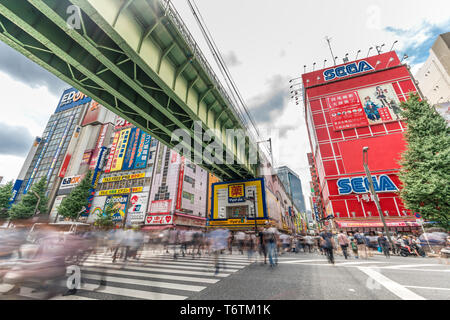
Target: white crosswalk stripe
[(152, 277)]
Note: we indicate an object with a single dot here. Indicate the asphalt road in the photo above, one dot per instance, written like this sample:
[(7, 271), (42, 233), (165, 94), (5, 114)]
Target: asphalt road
[(301, 276)]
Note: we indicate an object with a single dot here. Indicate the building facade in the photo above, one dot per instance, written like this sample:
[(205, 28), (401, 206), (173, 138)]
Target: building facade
[(349, 107), (293, 186)]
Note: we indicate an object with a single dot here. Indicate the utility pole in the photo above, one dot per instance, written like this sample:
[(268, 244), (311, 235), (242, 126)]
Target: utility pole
[(329, 45), (375, 196)]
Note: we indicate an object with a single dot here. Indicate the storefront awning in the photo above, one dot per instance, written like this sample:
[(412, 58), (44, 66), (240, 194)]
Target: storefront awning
[(156, 228), (374, 224)]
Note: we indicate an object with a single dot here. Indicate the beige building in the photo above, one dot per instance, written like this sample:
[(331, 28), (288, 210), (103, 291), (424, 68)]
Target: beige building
[(434, 75)]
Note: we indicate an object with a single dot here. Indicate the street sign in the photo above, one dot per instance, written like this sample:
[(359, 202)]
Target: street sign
[(418, 216)]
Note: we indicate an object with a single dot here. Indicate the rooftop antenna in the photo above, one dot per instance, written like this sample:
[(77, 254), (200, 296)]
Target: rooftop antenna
[(304, 68), (393, 45), (329, 45), (314, 64), (324, 61), (369, 51)]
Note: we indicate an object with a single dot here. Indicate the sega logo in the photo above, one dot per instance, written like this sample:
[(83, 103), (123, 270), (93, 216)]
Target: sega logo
[(349, 69), (361, 185)]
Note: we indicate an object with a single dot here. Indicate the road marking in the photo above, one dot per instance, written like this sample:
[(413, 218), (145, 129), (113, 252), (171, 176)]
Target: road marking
[(356, 262), (148, 275), (431, 288), (409, 266), (301, 261), (392, 286), (141, 282), (426, 270)]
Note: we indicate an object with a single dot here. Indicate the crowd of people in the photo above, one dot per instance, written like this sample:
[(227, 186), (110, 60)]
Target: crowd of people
[(43, 255)]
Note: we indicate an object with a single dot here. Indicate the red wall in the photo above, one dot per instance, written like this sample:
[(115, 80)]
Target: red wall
[(339, 153)]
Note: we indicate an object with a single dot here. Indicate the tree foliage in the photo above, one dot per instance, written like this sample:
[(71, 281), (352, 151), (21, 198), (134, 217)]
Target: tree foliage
[(104, 219), (5, 195), (26, 207), (425, 164), (71, 205)]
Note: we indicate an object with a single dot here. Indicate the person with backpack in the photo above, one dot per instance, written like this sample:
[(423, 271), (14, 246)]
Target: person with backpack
[(328, 245), (361, 243)]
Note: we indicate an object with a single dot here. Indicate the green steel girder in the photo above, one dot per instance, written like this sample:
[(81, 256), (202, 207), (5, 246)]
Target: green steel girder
[(109, 75), (101, 21)]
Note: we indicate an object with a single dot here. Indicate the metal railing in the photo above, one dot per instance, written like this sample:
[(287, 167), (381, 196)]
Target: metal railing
[(177, 21)]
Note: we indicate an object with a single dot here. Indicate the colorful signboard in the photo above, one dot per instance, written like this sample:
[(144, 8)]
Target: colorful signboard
[(71, 98), (180, 184), (119, 205), (97, 208), (70, 182), (121, 123), (130, 154), (95, 178), (119, 155), (236, 193), (92, 113), (112, 152), (142, 151), (361, 185), (70, 148), (98, 145), (221, 195), (158, 220), (15, 190), (124, 177), (119, 191), (347, 70), (138, 207)]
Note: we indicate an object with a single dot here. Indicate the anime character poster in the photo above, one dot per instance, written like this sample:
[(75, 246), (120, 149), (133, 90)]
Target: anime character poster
[(380, 103)]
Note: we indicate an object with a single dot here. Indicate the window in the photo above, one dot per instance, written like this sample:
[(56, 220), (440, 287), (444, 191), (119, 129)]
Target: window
[(188, 196)]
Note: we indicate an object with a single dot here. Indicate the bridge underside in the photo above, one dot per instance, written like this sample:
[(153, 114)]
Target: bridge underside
[(130, 56)]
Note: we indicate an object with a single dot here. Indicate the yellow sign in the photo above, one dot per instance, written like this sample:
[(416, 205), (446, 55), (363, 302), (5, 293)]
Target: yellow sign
[(124, 177), (229, 222), (236, 193), (120, 191), (121, 148)]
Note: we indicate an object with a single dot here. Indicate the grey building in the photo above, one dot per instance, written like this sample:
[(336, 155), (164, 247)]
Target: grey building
[(293, 185)]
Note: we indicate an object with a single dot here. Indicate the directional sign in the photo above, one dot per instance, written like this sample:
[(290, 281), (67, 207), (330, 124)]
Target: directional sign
[(418, 216)]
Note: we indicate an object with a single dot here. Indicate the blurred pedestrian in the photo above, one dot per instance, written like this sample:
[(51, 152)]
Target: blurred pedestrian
[(383, 244), (343, 242)]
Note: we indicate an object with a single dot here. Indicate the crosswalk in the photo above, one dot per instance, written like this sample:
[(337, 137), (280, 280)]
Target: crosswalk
[(153, 277)]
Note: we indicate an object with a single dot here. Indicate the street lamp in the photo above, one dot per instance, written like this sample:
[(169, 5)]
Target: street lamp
[(375, 196), (37, 204)]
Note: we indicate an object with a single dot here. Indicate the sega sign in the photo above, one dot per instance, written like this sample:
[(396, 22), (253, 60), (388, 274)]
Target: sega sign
[(347, 70), (361, 185), (71, 98)]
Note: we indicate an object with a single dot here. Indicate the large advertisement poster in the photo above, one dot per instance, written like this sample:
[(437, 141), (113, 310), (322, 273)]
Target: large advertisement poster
[(112, 152), (97, 208), (119, 205), (380, 103), (98, 145), (120, 152), (364, 107), (71, 98), (130, 154), (142, 151), (138, 207)]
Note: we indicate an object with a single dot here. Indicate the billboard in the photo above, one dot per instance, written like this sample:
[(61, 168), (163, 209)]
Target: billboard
[(119, 155), (160, 206), (95, 178), (97, 208), (360, 108), (70, 182), (158, 220), (222, 192), (70, 149), (138, 207), (112, 152), (92, 113), (119, 204), (121, 123), (142, 154), (130, 154), (60, 146), (71, 98), (98, 145)]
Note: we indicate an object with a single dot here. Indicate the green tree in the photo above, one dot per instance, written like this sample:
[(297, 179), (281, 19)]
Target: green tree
[(104, 219), (26, 207), (425, 165), (71, 205), (5, 195)]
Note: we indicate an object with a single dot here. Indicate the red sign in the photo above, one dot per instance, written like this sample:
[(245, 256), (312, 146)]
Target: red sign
[(165, 219), (121, 123), (112, 152), (63, 171), (180, 185), (92, 114)]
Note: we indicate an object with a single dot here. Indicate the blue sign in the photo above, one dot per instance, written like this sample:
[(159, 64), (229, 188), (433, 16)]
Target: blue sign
[(142, 152), (418, 216), (347, 70), (130, 153), (71, 98), (361, 185), (95, 178), (15, 190)]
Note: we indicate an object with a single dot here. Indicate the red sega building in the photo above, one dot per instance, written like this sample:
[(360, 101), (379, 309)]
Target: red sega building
[(348, 107)]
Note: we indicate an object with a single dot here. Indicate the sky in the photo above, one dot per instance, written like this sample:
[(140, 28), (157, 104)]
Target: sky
[(265, 44)]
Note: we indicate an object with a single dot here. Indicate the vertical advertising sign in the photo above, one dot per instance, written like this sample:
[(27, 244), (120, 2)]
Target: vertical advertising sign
[(70, 149), (138, 207), (130, 154), (119, 205), (95, 178), (120, 152), (142, 151), (112, 152), (98, 145), (59, 148), (38, 161), (180, 184)]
